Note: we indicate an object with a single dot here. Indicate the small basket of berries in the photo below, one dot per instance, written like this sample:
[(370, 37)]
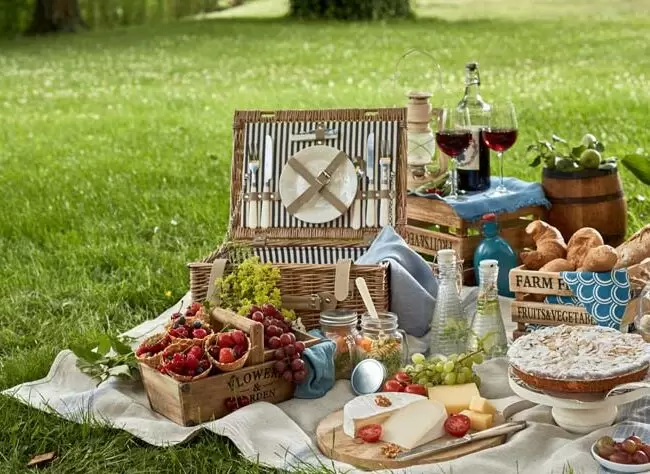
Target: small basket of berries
[(193, 329), (185, 361), (150, 350), (228, 350)]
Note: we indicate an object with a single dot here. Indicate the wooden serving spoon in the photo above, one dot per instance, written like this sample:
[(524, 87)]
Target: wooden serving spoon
[(365, 295)]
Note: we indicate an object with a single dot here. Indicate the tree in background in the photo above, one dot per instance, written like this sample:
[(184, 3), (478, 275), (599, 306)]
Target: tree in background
[(350, 9), (55, 15)]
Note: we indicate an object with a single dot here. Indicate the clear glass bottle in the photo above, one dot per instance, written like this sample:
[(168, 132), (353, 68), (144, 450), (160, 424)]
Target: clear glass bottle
[(449, 328), (380, 339), (487, 331), (474, 163), (642, 320), (340, 326)]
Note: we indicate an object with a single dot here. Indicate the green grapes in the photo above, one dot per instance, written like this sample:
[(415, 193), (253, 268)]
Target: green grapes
[(455, 369)]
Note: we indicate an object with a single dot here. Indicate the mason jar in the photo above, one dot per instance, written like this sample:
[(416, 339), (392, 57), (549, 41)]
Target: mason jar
[(380, 339), (340, 326)]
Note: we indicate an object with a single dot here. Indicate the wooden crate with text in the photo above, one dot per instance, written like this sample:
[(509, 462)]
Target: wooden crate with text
[(433, 225)]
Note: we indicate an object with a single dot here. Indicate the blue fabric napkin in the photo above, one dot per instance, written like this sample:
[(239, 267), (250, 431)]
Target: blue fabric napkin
[(604, 295), (413, 287), (475, 205), (319, 360)]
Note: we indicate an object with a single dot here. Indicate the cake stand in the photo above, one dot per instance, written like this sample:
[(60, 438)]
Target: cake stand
[(577, 412)]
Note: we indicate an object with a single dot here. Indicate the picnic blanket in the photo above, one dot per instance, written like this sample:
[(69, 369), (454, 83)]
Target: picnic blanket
[(282, 435)]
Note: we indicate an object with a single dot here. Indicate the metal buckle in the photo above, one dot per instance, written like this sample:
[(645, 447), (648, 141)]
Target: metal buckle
[(315, 301), (326, 181)]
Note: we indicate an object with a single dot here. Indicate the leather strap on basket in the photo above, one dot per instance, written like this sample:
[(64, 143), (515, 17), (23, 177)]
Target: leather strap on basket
[(318, 184), (216, 272), (342, 279), (316, 302)]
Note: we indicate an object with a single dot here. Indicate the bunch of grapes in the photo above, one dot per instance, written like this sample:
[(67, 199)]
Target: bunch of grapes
[(455, 369), (275, 325), (251, 283), (287, 359)]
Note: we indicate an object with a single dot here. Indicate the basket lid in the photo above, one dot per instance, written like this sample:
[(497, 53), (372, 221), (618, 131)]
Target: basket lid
[(288, 161)]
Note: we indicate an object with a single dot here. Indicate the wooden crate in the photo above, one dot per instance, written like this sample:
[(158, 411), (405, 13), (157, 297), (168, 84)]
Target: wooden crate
[(530, 288), (433, 225), (191, 403)]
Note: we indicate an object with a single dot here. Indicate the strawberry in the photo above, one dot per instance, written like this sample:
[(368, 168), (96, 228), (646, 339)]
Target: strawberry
[(226, 355), (225, 340), (196, 351), (238, 337)]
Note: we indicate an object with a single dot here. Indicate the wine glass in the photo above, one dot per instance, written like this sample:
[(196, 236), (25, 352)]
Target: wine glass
[(453, 138), (500, 135)]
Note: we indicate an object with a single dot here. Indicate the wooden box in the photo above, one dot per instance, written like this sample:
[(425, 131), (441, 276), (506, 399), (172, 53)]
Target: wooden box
[(191, 403), (433, 225), (531, 287), (307, 253)]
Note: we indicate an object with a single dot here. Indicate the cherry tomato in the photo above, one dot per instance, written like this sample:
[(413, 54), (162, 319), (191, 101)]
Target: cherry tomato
[(393, 386), (416, 388), (370, 433), (403, 378), (457, 425)]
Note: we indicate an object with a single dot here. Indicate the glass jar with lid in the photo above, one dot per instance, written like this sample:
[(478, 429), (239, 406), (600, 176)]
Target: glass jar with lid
[(340, 326), (380, 339), (642, 320)]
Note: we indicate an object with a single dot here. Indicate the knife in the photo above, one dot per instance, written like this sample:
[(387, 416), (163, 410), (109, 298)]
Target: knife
[(437, 447), (371, 211), (267, 177), (384, 185)]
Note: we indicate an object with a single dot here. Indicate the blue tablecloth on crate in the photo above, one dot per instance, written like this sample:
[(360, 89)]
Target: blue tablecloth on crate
[(475, 205)]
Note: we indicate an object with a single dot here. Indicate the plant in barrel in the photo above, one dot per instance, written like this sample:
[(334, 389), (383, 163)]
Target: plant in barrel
[(500, 135), (453, 138)]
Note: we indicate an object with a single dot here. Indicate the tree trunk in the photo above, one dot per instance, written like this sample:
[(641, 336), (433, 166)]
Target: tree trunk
[(53, 16)]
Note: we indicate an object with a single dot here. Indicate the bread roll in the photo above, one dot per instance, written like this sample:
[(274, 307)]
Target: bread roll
[(580, 243), (635, 249), (558, 265), (599, 259)]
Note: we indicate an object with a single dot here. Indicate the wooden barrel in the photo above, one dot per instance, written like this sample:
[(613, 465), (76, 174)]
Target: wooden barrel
[(589, 198)]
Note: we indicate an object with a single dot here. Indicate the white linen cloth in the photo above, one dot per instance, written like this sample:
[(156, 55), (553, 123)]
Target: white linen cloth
[(282, 435)]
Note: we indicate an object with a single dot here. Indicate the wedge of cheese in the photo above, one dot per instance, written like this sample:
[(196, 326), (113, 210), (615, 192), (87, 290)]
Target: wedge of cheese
[(455, 398), (415, 424), (481, 405), (364, 410), (480, 421)]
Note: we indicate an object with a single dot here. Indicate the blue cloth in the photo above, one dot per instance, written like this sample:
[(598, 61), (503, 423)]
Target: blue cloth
[(319, 360), (413, 287), (604, 295), (475, 205)]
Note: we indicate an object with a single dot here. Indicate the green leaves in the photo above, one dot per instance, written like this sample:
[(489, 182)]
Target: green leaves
[(639, 165), (106, 357)]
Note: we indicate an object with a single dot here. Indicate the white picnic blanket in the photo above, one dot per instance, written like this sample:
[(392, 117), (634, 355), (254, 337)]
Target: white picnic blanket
[(282, 435)]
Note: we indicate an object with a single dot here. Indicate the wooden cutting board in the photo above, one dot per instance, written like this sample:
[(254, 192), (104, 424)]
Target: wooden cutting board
[(335, 444)]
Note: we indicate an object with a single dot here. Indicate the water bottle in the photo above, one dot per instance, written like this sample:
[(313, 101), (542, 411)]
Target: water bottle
[(493, 247)]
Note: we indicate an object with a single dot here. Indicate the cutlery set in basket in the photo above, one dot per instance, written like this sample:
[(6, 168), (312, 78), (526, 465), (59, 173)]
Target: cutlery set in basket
[(309, 192)]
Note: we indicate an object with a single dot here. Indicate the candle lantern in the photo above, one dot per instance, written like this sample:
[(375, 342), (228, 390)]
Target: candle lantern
[(421, 141)]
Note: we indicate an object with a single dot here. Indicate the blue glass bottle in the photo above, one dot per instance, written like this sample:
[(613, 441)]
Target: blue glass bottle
[(493, 247)]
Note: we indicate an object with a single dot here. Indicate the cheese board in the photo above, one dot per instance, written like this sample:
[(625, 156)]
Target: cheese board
[(409, 430)]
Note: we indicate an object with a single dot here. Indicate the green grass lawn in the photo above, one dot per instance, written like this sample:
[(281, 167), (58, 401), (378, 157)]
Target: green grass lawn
[(115, 150)]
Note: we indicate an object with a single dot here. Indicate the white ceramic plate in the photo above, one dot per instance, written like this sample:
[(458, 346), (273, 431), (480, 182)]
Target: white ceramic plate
[(617, 467), (343, 184)]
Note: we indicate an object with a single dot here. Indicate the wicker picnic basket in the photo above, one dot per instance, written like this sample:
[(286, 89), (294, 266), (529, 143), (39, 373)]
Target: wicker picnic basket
[(315, 260)]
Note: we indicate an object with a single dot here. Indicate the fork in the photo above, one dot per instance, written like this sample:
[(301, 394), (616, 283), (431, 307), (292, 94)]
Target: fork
[(253, 167)]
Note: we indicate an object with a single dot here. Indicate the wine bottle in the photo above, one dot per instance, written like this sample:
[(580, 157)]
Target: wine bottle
[(474, 163)]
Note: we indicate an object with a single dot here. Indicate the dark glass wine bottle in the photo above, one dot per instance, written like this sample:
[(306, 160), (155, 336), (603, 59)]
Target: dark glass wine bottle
[(474, 163)]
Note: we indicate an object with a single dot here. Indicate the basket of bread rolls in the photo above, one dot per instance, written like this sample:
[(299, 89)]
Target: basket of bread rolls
[(539, 277)]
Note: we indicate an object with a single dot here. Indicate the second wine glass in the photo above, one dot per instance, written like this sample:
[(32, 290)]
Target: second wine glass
[(500, 135), (453, 137)]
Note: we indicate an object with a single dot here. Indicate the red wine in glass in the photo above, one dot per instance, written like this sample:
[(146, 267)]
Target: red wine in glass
[(500, 139), (453, 142)]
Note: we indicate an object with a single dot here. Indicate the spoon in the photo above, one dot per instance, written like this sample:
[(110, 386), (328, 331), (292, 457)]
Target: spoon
[(365, 295)]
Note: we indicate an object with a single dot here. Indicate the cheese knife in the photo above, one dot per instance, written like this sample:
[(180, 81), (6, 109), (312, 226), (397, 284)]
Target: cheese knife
[(267, 177), (371, 212), (437, 447)]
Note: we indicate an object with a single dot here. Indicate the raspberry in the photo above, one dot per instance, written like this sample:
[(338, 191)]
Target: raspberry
[(199, 333), (192, 362), (176, 315), (196, 307), (243, 401), (196, 351), (181, 332), (141, 350), (226, 340)]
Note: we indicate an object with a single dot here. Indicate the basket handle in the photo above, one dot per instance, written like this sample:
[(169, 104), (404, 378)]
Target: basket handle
[(216, 272), (254, 330), (342, 279)]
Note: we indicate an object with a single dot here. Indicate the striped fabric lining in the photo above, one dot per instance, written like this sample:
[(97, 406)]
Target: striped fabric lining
[(311, 255), (351, 139)]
